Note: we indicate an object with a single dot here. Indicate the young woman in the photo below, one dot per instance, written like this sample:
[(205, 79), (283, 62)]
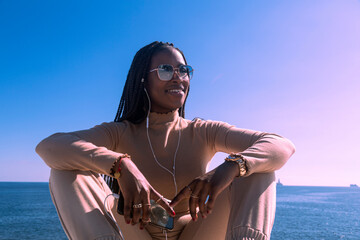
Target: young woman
[(154, 153)]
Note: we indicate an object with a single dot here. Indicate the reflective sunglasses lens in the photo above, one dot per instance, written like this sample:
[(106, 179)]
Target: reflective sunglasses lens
[(186, 71), (165, 72), (183, 70)]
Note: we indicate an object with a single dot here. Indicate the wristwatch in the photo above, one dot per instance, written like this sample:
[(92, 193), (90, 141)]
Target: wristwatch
[(240, 160)]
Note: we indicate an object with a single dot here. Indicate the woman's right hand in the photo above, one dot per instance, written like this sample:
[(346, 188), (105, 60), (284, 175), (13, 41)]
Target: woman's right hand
[(137, 190)]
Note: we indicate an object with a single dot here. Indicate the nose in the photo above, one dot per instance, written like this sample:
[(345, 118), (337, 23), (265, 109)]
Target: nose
[(176, 75)]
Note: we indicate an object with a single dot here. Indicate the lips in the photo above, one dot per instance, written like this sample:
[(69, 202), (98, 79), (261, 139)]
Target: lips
[(176, 90)]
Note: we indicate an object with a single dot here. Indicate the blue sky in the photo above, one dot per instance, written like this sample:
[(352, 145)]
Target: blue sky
[(288, 67)]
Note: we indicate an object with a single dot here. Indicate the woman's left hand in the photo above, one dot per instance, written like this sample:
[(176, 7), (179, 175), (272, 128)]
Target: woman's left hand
[(210, 184)]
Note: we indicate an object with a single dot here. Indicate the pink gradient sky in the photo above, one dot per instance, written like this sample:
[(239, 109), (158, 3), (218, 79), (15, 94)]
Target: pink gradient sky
[(291, 68)]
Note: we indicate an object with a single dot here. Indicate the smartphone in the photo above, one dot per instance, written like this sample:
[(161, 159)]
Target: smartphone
[(158, 215)]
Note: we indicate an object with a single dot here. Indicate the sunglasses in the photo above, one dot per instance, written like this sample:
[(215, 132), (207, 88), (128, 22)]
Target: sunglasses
[(166, 72)]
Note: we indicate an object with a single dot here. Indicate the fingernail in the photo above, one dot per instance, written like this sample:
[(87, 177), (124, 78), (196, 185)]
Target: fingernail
[(173, 212), (127, 221), (193, 219), (208, 211), (141, 228)]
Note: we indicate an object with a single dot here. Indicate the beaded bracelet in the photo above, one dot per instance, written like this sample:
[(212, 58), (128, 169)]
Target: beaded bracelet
[(117, 174)]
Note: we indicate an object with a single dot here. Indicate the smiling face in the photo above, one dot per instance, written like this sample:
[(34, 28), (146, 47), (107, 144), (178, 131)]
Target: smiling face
[(167, 96)]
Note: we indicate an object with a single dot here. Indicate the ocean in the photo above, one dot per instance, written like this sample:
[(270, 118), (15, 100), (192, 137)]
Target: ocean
[(27, 212)]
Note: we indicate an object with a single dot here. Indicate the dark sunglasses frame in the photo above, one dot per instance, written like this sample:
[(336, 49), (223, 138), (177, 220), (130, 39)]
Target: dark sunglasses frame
[(177, 70)]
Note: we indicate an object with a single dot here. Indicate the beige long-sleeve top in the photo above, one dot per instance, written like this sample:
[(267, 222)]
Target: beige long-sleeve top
[(96, 149)]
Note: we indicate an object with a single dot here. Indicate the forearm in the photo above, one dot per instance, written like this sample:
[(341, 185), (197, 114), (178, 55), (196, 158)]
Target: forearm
[(268, 154), (264, 152), (65, 151)]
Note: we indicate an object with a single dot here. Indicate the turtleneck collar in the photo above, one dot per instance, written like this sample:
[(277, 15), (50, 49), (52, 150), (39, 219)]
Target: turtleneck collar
[(162, 118)]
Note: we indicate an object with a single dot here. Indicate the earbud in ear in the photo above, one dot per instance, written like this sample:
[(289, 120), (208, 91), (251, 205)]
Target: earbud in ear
[(142, 80)]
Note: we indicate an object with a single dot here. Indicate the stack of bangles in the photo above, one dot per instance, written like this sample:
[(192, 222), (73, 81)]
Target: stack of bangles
[(117, 173)]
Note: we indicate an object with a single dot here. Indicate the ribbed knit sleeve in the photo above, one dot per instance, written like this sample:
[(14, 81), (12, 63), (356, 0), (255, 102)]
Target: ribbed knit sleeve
[(264, 152), (92, 149)]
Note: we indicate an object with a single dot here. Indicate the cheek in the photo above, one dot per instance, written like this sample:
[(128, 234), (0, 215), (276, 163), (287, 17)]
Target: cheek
[(187, 89), (155, 91), (151, 87)]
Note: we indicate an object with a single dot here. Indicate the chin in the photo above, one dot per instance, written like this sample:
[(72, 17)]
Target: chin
[(177, 106)]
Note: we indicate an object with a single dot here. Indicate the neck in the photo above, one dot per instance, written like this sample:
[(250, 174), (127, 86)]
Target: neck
[(155, 118)]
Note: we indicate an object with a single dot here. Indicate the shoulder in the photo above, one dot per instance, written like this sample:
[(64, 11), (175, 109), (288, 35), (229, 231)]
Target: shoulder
[(112, 128), (208, 126), (202, 123)]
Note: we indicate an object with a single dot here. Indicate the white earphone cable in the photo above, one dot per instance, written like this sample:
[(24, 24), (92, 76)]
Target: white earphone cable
[(108, 214), (152, 150)]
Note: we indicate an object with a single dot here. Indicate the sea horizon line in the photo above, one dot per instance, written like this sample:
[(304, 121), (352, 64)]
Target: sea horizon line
[(282, 184)]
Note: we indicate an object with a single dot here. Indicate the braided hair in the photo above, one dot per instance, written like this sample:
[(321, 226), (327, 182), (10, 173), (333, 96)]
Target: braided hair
[(134, 104)]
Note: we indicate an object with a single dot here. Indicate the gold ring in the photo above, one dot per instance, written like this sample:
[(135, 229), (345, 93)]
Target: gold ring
[(194, 196), (137, 205)]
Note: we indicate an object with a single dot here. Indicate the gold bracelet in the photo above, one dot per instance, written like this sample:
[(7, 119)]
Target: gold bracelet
[(240, 160), (117, 174)]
